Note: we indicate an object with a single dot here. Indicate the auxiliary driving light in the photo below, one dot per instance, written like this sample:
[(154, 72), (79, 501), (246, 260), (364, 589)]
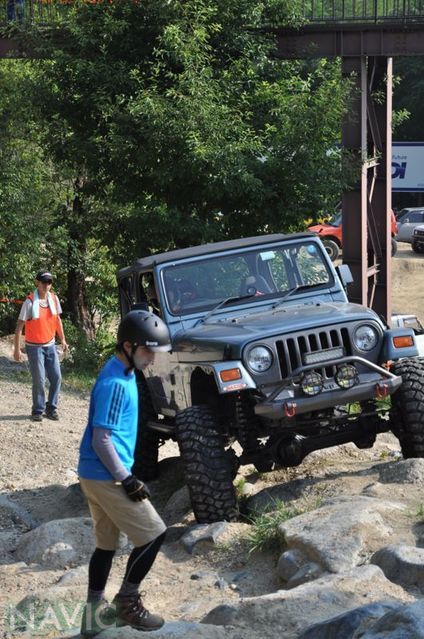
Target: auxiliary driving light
[(311, 383), (346, 376)]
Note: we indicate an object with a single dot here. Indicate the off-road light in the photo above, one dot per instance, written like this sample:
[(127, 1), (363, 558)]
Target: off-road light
[(365, 337), (346, 376), (259, 359), (311, 383)]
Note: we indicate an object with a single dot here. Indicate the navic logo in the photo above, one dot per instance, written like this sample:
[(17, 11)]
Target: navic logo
[(43, 618)]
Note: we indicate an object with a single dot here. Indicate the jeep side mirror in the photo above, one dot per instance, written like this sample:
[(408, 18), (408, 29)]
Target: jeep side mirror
[(345, 274)]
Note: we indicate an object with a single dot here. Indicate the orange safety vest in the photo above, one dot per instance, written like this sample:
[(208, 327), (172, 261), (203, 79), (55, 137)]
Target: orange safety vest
[(43, 329)]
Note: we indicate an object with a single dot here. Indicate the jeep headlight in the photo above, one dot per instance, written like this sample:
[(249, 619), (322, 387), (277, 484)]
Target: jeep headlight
[(365, 337), (259, 359)]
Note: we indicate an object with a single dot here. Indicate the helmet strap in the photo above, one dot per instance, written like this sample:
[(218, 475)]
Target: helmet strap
[(128, 357)]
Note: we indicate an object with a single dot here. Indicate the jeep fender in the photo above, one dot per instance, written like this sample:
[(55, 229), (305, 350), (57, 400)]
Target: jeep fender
[(391, 352), (231, 376)]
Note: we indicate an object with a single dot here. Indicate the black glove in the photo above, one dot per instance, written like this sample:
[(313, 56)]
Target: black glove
[(135, 489)]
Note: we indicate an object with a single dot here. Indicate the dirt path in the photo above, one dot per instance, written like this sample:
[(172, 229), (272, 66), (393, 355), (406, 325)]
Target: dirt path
[(37, 467)]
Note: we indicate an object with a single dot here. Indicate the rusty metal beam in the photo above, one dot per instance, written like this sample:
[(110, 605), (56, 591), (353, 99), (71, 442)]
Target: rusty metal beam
[(366, 136), (351, 41)]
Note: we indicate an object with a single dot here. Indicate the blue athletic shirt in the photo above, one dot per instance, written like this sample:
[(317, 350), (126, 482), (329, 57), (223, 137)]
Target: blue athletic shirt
[(113, 405)]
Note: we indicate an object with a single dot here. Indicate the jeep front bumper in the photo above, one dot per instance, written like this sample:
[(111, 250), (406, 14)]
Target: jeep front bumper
[(288, 400)]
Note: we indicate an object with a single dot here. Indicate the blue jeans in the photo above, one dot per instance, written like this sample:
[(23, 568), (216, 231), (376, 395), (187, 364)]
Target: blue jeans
[(43, 360), (15, 10)]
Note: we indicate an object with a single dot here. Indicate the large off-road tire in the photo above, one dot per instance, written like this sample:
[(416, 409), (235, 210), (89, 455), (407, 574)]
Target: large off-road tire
[(417, 248), (408, 407), (332, 248), (207, 467), (146, 465)]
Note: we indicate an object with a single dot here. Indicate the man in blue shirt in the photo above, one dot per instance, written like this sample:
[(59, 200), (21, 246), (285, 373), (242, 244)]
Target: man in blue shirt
[(118, 500)]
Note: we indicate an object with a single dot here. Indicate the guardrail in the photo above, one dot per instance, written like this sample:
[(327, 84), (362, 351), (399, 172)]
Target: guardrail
[(363, 11)]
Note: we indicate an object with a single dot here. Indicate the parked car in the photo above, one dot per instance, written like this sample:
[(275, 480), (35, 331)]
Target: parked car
[(407, 222), (417, 242), (267, 354), (330, 234)]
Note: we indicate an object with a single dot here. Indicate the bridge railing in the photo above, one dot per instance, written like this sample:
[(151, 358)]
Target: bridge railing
[(363, 11), (28, 12)]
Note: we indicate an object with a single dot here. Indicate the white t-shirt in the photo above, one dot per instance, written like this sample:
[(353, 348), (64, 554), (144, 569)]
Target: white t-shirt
[(26, 311)]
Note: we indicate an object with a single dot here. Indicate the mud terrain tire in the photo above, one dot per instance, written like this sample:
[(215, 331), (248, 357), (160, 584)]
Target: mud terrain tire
[(408, 405), (146, 465), (207, 467)]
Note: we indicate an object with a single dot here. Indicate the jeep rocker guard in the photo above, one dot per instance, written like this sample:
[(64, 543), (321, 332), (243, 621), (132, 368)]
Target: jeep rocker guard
[(267, 351)]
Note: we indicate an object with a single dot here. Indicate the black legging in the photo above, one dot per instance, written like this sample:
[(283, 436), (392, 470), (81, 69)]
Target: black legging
[(99, 569), (139, 563), (141, 560)]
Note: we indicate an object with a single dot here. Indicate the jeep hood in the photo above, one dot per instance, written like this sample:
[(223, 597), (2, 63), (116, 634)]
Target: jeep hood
[(237, 330)]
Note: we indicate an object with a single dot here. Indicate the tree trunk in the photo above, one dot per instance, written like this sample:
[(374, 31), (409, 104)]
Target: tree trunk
[(77, 248), (78, 307)]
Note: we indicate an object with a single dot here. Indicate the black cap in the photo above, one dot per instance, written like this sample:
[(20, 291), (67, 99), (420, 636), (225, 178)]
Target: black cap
[(44, 276)]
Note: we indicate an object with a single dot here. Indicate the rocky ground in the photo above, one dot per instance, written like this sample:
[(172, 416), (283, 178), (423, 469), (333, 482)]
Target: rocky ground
[(358, 541)]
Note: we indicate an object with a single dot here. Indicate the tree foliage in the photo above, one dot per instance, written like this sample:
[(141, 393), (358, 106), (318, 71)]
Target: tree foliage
[(165, 124), (182, 121)]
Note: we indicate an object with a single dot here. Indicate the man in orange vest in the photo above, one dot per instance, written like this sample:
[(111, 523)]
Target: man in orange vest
[(40, 315)]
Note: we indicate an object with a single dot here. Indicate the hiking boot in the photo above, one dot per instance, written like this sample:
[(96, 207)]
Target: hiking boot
[(131, 612), (97, 616), (52, 414), (36, 417)]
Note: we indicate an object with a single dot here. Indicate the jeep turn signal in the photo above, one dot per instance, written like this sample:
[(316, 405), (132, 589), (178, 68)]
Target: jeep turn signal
[(230, 375), (403, 341)]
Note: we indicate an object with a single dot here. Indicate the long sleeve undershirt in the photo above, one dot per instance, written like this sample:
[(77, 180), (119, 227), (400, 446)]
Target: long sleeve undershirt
[(106, 452)]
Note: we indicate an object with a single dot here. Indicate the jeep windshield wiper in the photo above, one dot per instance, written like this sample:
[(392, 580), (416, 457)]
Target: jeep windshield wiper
[(290, 292), (222, 303)]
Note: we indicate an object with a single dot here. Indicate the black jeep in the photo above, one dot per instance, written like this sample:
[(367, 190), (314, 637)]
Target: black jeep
[(269, 353)]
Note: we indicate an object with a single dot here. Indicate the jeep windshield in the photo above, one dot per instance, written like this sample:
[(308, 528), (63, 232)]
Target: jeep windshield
[(248, 275)]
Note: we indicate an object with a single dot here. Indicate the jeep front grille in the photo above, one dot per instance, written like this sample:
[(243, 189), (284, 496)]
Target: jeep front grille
[(291, 349)]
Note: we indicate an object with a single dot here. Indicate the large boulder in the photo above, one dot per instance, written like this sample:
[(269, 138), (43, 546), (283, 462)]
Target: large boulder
[(287, 613), (58, 544), (342, 533), (406, 471), (402, 564)]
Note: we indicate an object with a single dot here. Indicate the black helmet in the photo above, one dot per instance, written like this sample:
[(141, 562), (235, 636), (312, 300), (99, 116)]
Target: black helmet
[(142, 328)]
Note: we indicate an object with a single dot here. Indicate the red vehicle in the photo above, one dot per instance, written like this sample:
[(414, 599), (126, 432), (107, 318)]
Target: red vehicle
[(331, 235)]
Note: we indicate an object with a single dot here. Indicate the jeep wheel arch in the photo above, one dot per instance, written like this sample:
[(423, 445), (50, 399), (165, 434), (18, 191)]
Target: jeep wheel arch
[(208, 468)]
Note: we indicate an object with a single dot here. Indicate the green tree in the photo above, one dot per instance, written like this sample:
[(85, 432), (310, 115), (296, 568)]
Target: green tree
[(179, 125), (29, 190)]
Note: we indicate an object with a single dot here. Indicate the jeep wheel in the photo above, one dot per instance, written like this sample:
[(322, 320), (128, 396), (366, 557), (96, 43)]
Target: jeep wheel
[(332, 249), (408, 407), (207, 466), (146, 465), (417, 248)]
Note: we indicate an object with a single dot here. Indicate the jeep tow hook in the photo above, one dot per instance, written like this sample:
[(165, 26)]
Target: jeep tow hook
[(290, 409), (381, 390)]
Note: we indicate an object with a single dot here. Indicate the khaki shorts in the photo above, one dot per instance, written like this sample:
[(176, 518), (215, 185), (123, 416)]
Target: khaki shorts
[(112, 511)]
